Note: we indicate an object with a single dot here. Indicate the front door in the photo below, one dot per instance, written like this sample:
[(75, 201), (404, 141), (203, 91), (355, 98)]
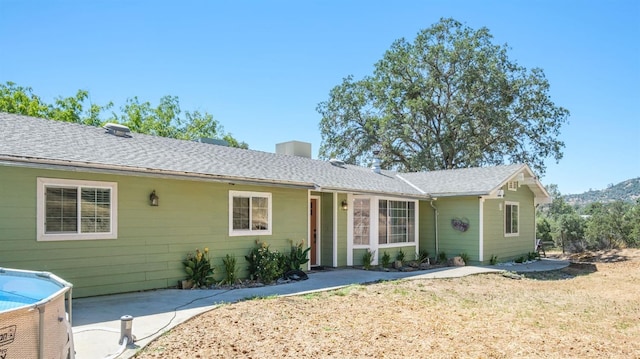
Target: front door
[(313, 231)]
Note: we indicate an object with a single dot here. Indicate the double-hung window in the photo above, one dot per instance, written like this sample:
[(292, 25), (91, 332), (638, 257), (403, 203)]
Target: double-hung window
[(249, 213), (511, 219), (396, 221), (76, 210)]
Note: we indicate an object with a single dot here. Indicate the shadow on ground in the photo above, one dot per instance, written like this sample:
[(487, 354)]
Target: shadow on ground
[(575, 269)]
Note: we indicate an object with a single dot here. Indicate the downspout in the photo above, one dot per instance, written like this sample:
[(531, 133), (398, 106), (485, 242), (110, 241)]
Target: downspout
[(435, 212)]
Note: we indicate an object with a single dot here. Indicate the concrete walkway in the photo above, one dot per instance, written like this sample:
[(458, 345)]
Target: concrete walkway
[(96, 320)]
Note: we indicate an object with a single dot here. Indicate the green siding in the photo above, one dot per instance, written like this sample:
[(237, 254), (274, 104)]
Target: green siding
[(454, 242), (342, 233), (152, 241), (495, 242), (426, 231), (326, 232)]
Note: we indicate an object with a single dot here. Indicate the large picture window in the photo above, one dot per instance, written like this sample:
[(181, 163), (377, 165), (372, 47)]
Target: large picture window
[(249, 213), (361, 221), (76, 210), (511, 219), (396, 221)]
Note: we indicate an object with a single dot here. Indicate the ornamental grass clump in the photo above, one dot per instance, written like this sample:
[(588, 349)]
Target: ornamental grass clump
[(198, 268)]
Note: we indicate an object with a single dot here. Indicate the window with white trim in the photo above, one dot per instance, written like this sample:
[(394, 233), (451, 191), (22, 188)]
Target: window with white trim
[(512, 185), (511, 219), (249, 213), (76, 210), (396, 221), (361, 221)]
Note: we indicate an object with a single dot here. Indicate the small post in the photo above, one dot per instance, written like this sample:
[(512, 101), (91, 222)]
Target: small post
[(126, 324)]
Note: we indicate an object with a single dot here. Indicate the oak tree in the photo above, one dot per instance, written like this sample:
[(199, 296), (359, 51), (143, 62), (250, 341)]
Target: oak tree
[(449, 99)]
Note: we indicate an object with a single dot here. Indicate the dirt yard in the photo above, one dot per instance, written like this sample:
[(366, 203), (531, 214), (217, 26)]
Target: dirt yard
[(584, 311)]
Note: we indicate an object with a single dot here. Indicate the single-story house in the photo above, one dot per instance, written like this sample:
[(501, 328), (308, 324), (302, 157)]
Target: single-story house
[(114, 211)]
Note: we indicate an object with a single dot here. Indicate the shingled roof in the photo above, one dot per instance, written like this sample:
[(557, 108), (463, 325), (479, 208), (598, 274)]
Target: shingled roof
[(54, 144)]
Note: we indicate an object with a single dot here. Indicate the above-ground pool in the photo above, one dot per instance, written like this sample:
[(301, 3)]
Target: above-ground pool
[(34, 321)]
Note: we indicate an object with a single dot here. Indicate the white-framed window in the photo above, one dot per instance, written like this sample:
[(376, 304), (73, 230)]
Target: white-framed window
[(512, 185), (249, 213), (361, 221), (76, 210), (396, 221), (511, 219)]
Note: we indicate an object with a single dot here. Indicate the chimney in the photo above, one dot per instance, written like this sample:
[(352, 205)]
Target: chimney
[(294, 148), (375, 167)]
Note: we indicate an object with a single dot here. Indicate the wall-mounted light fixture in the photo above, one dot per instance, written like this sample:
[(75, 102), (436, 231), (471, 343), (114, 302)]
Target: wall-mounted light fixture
[(500, 193), (153, 198), (344, 205)]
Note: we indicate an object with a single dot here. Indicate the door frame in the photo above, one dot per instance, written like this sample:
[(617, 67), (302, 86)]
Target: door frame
[(318, 246)]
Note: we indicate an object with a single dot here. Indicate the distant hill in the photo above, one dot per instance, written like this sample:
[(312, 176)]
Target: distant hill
[(627, 191)]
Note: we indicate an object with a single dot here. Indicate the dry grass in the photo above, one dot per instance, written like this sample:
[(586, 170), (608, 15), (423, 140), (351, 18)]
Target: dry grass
[(574, 313)]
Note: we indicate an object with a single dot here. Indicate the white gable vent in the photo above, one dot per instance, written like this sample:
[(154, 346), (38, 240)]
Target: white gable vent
[(117, 129)]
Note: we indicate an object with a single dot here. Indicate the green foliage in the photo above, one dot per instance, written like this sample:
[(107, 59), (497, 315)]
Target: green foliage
[(230, 270), (423, 256), (519, 259), (493, 260), (297, 257), (166, 119), (465, 257), (400, 255), (543, 229), (449, 99), (385, 260), (264, 265), (198, 268), (531, 256), (442, 257), (367, 258), (613, 225)]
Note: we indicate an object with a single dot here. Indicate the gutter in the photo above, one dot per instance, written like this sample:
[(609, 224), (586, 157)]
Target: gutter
[(143, 172)]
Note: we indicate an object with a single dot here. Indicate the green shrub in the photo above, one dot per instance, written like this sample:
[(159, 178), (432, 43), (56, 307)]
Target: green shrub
[(400, 256), (198, 268), (442, 257), (494, 260), (519, 259), (465, 258), (297, 257), (367, 258), (230, 270), (265, 265), (423, 256), (532, 256), (385, 260)]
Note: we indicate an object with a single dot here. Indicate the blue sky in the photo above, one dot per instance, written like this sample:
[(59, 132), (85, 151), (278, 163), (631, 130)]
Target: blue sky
[(261, 67)]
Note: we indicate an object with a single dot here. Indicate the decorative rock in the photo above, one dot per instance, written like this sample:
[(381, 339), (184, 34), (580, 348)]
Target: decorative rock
[(397, 264), (456, 262), (425, 265)]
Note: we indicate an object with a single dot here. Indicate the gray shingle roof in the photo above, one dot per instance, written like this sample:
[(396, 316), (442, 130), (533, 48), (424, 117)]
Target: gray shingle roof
[(35, 140), (469, 181)]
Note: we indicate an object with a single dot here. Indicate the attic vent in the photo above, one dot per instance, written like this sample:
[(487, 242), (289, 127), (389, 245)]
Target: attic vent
[(117, 129), (336, 162)]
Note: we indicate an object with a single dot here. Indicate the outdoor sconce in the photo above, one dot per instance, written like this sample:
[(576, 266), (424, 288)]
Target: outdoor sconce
[(344, 205), (153, 198)]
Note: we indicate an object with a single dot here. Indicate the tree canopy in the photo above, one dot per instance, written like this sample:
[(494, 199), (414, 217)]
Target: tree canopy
[(166, 119), (450, 99)]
